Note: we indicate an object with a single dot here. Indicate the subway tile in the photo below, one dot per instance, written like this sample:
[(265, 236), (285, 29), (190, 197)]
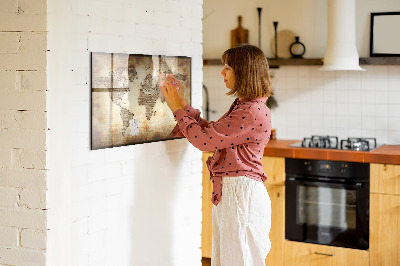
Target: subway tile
[(394, 137), (394, 123), (355, 96), (367, 133), (303, 82), (381, 97), (381, 123), (342, 96), (355, 122), (381, 110), (367, 96), (380, 71), (354, 81), (382, 136), (329, 94), (355, 109), (329, 122), (394, 110), (304, 72), (342, 83), (317, 107), (317, 131), (367, 82), (316, 83), (315, 72), (328, 74), (280, 72), (342, 122), (317, 120), (367, 122), (291, 71), (394, 71), (329, 109), (394, 97), (367, 110), (342, 109), (355, 132), (342, 133), (292, 82), (381, 84)]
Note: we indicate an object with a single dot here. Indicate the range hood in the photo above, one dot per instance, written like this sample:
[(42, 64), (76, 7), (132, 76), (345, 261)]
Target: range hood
[(341, 51)]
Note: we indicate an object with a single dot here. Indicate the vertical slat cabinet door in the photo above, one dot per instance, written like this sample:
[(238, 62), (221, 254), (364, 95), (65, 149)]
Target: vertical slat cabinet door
[(384, 230), (277, 233), (274, 168), (206, 234)]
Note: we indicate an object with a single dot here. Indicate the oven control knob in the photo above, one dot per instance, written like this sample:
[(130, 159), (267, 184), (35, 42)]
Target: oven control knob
[(308, 166), (343, 168)]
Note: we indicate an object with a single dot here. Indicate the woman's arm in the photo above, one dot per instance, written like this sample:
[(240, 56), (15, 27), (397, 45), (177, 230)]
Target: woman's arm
[(173, 91), (239, 127)]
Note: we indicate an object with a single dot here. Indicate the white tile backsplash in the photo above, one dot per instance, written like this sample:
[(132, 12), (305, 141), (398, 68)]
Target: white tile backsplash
[(345, 103)]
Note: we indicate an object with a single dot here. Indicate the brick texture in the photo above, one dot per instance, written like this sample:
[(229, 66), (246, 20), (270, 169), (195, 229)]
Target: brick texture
[(23, 126)]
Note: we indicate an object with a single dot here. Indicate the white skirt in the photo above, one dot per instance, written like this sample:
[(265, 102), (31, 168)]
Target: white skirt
[(241, 223)]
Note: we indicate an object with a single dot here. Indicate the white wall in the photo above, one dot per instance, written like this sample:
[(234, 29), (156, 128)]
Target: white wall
[(132, 205), (311, 102), (23, 133), (306, 19)]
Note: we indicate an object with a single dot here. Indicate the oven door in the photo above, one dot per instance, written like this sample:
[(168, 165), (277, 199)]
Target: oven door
[(327, 213)]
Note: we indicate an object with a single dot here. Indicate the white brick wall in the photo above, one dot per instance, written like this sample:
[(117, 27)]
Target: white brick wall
[(23, 132), (132, 205)]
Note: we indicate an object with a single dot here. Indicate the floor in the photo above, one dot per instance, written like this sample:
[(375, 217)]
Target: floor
[(206, 261)]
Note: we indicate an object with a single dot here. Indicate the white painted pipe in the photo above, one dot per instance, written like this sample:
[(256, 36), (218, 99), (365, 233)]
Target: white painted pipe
[(341, 51)]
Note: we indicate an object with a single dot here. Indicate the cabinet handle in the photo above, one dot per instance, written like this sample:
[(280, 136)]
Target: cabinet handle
[(324, 254)]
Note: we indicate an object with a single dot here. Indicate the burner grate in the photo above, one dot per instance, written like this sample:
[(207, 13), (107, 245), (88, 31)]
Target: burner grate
[(332, 142), (327, 142), (358, 144)]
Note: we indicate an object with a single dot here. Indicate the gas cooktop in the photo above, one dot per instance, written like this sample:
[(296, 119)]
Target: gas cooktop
[(332, 142)]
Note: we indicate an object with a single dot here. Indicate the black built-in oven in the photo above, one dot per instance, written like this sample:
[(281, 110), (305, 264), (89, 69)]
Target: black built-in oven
[(327, 202)]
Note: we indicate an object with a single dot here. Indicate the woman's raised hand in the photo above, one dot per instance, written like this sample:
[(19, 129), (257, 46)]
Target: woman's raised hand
[(173, 93)]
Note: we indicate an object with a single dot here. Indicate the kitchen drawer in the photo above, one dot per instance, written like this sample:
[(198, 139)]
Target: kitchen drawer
[(385, 178), (305, 254)]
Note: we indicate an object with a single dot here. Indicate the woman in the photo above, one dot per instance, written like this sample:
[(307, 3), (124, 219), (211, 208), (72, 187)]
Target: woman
[(242, 208)]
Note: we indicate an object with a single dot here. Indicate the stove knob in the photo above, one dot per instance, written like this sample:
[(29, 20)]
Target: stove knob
[(308, 166), (343, 168)]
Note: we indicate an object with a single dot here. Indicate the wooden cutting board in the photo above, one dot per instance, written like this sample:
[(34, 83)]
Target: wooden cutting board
[(239, 35)]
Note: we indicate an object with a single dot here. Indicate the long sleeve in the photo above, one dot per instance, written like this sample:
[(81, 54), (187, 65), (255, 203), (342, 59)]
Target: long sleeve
[(193, 113), (231, 130)]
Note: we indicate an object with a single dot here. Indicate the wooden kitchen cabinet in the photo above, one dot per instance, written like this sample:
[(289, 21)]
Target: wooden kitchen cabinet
[(384, 236), (274, 168), (385, 215), (277, 233), (385, 178), (206, 225), (305, 254)]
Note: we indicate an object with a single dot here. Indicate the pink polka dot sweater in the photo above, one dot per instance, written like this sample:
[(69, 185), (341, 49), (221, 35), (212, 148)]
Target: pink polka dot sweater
[(238, 139)]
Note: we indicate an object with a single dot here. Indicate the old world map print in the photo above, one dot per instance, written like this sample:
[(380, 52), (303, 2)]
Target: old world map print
[(127, 104)]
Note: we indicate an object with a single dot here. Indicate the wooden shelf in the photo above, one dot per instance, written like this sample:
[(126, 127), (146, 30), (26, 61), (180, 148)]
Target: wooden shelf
[(274, 63), (380, 61)]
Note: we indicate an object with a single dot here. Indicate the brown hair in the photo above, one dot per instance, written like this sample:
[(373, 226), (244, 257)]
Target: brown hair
[(250, 66)]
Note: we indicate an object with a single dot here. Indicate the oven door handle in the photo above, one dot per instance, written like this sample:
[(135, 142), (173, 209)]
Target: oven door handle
[(357, 185)]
